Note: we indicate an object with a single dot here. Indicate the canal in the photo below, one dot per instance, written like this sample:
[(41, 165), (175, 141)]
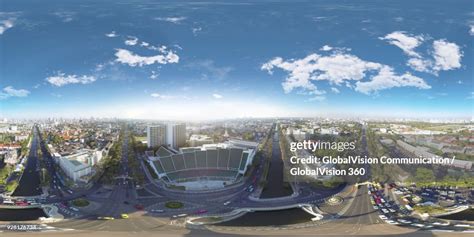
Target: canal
[(275, 186), (29, 184), (21, 214), (270, 218), (466, 215)]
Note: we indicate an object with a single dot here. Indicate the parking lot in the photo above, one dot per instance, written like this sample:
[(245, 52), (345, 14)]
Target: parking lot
[(397, 209)]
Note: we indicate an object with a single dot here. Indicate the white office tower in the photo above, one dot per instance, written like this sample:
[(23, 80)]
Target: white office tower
[(156, 135), (176, 135)]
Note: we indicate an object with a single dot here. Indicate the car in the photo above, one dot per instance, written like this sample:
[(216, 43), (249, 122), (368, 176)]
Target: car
[(157, 211), (201, 211), (375, 207), (180, 215), (383, 217), (391, 222), (462, 225), (226, 203), (126, 202), (124, 216), (441, 223), (74, 209), (105, 218), (404, 221), (417, 225)]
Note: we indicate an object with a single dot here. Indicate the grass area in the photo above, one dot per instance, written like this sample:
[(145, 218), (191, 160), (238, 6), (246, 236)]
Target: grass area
[(140, 139), (10, 187), (428, 209), (80, 202), (177, 187), (209, 219), (4, 173), (332, 183), (174, 205)]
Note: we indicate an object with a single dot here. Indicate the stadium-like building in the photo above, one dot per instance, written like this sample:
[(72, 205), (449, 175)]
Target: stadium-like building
[(207, 167)]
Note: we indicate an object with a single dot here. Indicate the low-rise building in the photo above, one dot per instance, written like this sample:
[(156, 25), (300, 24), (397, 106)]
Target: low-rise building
[(199, 140), (74, 169)]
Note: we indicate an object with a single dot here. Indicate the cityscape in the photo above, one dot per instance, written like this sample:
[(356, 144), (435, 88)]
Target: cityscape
[(236, 118)]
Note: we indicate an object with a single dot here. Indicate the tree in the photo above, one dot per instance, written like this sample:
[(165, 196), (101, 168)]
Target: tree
[(424, 175)]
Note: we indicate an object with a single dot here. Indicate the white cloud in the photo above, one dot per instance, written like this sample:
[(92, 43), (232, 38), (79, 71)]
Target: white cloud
[(335, 68), (398, 19), (335, 90), (196, 30), (471, 96), (326, 48), (217, 96), (404, 41), (126, 57), (153, 75), (132, 40), (111, 34), (174, 20), (161, 49), (167, 97), (339, 68), (65, 16), (447, 56), (420, 64), (10, 91), (387, 79), (56, 95), (471, 31), (209, 67), (5, 25), (144, 44), (317, 98), (62, 79)]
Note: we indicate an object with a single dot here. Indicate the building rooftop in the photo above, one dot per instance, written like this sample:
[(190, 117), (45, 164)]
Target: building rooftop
[(75, 162)]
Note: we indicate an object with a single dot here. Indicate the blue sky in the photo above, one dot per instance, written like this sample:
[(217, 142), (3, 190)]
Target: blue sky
[(200, 60)]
